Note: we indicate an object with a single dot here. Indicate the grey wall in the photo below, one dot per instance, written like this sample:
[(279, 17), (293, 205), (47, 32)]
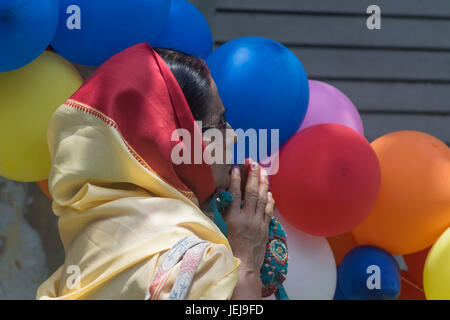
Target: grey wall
[(30, 249), (398, 77)]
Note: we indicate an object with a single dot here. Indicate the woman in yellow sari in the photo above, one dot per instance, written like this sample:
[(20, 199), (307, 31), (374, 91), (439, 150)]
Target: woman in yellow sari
[(129, 218)]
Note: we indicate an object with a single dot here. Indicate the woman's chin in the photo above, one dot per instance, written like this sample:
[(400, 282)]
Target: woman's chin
[(223, 181), (224, 184)]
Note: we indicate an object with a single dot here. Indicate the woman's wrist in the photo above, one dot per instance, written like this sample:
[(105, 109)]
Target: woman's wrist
[(249, 262), (249, 286), (247, 267)]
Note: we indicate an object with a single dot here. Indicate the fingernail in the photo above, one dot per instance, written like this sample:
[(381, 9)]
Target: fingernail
[(254, 165), (235, 171), (263, 172)]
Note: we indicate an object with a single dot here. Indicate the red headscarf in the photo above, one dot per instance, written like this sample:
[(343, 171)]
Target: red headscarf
[(137, 90)]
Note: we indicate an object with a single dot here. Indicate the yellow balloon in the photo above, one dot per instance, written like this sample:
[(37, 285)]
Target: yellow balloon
[(436, 273), (28, 98)]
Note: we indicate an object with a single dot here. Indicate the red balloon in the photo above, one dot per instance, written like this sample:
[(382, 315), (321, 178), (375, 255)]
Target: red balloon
[(415, 263), (328, 180)]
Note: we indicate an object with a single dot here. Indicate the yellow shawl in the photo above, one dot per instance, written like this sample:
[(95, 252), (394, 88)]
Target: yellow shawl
[(117, 216)]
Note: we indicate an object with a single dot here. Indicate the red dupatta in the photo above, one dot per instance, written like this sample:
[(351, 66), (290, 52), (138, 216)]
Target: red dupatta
[(137, 90)]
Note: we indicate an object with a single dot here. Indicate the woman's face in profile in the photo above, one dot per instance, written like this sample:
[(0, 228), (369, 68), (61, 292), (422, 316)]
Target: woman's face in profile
[(214, 118)]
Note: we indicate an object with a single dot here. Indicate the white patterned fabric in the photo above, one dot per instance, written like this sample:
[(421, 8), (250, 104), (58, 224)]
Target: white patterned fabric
[(190, 249)]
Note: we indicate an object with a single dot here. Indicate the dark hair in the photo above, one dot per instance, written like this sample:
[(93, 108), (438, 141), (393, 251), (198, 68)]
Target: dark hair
[(194, 78)]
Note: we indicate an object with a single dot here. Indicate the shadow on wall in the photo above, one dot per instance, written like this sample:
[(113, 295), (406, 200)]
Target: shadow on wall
[(30, 249)]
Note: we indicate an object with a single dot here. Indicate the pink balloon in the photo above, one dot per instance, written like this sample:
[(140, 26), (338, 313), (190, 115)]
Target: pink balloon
[(329, 105)]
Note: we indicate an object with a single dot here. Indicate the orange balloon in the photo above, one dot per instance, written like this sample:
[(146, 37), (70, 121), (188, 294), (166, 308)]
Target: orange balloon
[(341, 245), (43, 184), (410, 289), (415, 263), (413, 206)]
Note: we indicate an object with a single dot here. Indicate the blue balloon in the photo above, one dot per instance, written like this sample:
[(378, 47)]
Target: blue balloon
[(89, 32), (263, 85), (338, 295), (186, 30), (26, 29), (370, 273)]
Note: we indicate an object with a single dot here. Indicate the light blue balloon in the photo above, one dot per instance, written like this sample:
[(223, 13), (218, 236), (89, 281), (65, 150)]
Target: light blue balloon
[(186, 30), (262, 84), (26, 29), (91, 31)]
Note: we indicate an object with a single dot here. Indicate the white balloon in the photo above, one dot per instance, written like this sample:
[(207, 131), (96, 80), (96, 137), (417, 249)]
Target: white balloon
[(311, 265)]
